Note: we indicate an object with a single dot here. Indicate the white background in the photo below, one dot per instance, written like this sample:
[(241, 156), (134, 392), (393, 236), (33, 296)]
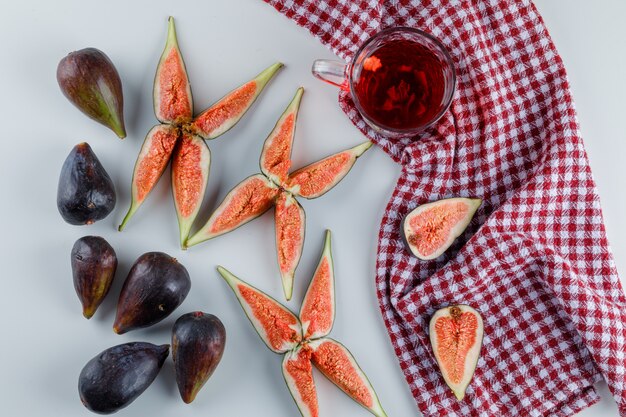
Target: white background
[(45, 339)]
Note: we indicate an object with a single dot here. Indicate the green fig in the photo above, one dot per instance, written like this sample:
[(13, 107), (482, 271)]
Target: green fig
[(90, 81)]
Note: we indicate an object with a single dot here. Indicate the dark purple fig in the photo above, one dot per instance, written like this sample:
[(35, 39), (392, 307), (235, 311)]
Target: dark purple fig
[(198, 341), (93, 267), (86, 193), (156, 285), (120, 374), (90, 81)]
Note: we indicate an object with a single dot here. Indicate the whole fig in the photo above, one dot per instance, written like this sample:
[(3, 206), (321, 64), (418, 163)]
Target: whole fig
[(93, 268), (156, 285), (198, 341), (86, 193), (120, 374), (90, 81)]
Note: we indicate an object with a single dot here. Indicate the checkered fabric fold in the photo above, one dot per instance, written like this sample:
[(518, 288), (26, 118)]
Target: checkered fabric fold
[(535, 260)]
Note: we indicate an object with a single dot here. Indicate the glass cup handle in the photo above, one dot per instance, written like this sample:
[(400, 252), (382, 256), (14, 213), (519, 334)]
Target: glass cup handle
[(332, 72)]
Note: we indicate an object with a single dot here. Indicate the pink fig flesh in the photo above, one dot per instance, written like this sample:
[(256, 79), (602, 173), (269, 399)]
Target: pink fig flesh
[(224, 114), (340, 367), (289, 221), (456, 334), (247, 201), (276, 153), (172, 94), (431, 228), (298, 374), (278, 327), (153, 158), (190, 174), (317, 313), (319, 177)]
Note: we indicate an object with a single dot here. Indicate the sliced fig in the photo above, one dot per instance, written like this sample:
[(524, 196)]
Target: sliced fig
[(340, 367), (298, 374), (319, 177), (85, 193), (278, 327), (289, 219), (223, 115), (247, 201), (456, 335), (190, 174), (90, 81), (198, 341), (153, 158), (317, 313), (172, 93), (93, 268), (118, 375), (276, 153), (431, 228), (156, 285)]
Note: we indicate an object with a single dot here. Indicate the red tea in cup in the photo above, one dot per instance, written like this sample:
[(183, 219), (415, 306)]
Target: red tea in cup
[(401, 80), (401, 85)]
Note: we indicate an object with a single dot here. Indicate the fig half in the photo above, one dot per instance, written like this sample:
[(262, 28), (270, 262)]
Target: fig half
[(456, 335), (431, 228), (85, 193), (90, 81)]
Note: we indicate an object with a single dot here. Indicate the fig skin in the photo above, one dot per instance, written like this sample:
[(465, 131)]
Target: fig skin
[(90, 81), (156, 285), (85, 193), (94, 263), (198, 342), (118, 375)]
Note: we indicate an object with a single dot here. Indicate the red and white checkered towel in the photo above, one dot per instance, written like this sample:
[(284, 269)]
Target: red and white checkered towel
[(535, 260)]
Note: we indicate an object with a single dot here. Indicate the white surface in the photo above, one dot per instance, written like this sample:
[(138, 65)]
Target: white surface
[(46, 341)]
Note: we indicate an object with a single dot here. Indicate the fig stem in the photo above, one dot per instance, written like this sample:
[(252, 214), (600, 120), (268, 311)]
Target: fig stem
[(129, 215)]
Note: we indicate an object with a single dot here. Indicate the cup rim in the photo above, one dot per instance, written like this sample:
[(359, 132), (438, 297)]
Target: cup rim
[(447, 100)]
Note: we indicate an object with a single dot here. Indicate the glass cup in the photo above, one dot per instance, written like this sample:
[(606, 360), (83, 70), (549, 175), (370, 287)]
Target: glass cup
[(401, 80)]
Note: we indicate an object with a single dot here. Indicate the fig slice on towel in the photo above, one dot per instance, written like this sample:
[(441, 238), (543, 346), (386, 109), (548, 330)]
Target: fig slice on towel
[(456, 335), (431, 228)]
